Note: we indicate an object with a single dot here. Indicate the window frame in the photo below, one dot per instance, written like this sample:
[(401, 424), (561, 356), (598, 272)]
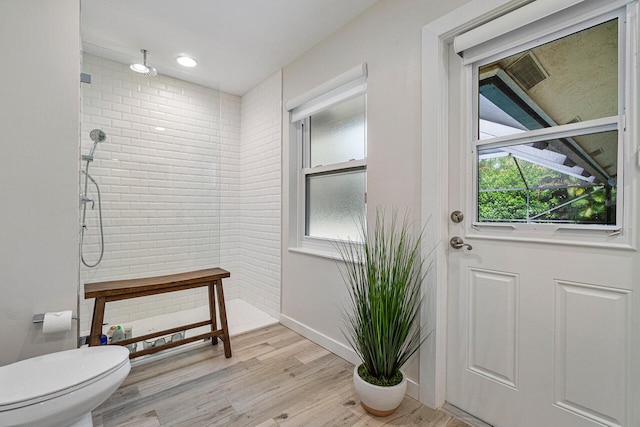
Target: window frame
[(563, 233), (300, 130)]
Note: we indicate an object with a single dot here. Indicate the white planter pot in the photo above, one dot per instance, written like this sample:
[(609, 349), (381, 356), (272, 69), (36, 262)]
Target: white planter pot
[(379, 401)]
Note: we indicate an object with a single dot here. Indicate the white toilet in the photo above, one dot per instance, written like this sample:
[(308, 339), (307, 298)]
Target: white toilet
[(61, 389)]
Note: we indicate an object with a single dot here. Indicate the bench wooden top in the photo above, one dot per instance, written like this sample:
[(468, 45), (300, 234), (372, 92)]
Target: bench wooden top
[(157, 284)]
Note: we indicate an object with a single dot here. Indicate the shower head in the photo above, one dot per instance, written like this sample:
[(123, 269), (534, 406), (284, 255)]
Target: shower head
[(97, 135), (143, 68)]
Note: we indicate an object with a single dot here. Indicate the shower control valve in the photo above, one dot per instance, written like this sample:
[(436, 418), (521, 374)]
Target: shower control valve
[(85, 200)]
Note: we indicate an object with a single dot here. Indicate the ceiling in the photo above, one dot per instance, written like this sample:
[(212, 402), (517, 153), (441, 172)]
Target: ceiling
[(237, 43)]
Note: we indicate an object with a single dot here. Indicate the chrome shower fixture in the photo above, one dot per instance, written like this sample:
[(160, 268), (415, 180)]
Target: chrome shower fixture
[(143, 68), (97, 135)]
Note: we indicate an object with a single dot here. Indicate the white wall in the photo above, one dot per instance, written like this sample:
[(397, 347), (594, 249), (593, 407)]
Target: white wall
[(251, 194), (230, 251), (260, 194), (39, 125), (388, 38)]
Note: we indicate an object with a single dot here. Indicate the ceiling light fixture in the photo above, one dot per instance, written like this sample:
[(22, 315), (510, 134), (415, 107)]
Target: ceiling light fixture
[(144, 68), (186, 61), (139, 68)]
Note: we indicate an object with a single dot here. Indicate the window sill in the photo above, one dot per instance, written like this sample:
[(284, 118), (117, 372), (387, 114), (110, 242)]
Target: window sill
[(316, 252)]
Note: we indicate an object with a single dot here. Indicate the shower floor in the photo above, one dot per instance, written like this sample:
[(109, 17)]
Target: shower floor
[(241, 317)]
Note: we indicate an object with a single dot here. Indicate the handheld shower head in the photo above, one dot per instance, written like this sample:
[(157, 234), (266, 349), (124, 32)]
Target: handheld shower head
[(97, 135)]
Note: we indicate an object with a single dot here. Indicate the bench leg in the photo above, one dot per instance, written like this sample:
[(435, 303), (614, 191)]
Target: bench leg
[(223, 319), (96, 322), (212, 312)]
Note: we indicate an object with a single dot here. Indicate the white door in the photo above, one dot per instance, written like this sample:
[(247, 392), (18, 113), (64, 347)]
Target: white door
[(542, 325)]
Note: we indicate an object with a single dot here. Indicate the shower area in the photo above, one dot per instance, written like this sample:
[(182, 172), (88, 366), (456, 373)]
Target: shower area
[(179, 177)]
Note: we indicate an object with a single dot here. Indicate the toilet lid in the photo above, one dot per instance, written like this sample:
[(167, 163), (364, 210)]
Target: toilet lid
[(39, 378)]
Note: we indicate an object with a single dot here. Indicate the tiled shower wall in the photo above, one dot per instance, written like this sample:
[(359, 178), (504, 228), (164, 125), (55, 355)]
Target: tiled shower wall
[(160, 189), (260, 195), (230, 186), (192, 196)]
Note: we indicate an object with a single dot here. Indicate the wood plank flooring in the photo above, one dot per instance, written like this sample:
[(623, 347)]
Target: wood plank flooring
[(275, 378)]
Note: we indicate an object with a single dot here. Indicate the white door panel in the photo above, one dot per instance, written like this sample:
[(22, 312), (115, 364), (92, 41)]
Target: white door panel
[(592, 329), (536, 338)]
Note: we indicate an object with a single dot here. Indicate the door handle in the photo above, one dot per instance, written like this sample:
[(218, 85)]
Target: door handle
[(457, 243)]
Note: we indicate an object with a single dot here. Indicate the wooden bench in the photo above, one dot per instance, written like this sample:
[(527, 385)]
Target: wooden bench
[(117, 290)]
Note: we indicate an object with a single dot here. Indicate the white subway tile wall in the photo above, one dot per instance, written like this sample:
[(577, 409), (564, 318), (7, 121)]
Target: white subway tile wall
[(260, 195), (171, 199), (230, 258)]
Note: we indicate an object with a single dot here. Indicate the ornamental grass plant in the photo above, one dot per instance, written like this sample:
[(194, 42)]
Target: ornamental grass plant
[(384, 274)]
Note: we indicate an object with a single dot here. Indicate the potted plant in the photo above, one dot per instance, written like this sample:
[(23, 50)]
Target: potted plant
[(383, 274)]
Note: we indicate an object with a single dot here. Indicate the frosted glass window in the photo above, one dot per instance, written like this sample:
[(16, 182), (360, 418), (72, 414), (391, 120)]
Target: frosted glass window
[(337, 134), (332, 144), (335, 203)]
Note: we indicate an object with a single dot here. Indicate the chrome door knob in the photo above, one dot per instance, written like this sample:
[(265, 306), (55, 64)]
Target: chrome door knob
[(457, 243)]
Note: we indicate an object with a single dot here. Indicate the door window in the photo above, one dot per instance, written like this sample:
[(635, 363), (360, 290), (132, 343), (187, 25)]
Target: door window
[(548, 134)]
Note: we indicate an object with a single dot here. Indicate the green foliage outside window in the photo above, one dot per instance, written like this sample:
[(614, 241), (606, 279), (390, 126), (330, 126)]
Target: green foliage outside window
[(504, 187)]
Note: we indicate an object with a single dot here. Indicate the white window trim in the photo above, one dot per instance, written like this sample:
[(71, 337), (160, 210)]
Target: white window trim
[(499, 40), (509, 22), (335, 167), (342, 93), (348, 85), (617, 236), (347, 77)]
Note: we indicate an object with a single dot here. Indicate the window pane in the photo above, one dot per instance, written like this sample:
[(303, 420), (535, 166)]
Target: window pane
[(571, 79), (337, 134), (335, 204), (568, 180)]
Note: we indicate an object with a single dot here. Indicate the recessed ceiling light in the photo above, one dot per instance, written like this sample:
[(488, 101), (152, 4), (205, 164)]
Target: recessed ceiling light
[(160, 128), (139, 68), (186, 61)]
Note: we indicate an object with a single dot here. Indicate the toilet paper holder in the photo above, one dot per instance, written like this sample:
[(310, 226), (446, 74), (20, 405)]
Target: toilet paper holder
[(39, 318)]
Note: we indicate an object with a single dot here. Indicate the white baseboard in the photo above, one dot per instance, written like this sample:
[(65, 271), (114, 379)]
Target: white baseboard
[(336, 348)]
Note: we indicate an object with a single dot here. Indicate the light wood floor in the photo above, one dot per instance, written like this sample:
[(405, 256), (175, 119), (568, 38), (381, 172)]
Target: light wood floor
[(275, 378)]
